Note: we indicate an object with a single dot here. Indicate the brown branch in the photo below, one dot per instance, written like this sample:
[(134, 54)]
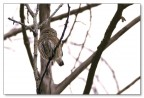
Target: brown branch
[(15, 31), (129, 85), (25, 37), (37, 9), (102, 46), (74, 12), (83, 65), (123, 30), (35, 33), (29, 10), (21, 24)]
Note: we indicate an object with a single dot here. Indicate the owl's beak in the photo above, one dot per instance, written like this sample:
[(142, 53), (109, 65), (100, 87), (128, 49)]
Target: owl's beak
[(61, 63)]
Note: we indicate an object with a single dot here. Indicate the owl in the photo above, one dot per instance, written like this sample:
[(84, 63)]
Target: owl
[(46, 45)]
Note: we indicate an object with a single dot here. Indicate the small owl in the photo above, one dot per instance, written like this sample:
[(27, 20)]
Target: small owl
[(47, 43)]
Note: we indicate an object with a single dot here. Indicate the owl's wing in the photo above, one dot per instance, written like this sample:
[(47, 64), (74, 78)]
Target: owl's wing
[(46, 48)]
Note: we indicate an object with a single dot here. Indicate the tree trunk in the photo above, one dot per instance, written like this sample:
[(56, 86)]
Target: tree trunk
[(47, 83)]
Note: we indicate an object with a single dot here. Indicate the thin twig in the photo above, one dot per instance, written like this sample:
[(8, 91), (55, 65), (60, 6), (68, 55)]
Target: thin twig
[(64, 41), (66, 23), (26, 27), (113, 73), (129, 85), (84, 40), (69, 52), (16, 21), (97, 77), (90, 50), (76, 44)]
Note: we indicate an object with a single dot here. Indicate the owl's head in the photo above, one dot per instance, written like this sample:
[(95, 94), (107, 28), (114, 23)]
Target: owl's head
[(49, 31)]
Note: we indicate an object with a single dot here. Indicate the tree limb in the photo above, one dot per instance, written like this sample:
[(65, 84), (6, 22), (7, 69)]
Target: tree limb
[(26, 27), (35, 34), (102, 46), (29, 10), (123, 30), (15, 31), (25, 37), (65, 40), (74, 12), (129, 85)]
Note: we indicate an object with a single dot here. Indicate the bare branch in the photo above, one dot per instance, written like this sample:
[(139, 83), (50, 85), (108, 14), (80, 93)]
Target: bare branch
[(123, 30), (59, 17), (84, 41), (76, 44), (35, 33), (113, 72), (73, 56), (25, 37), (64, 41), (97, 77), (64, 27), (14, 21), (129, 85), (29, 10), (21, 24), (37, 9), (15, 31)]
